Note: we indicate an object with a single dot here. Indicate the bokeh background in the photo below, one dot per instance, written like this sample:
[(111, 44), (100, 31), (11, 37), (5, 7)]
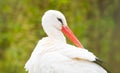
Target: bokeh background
[(96, 23)]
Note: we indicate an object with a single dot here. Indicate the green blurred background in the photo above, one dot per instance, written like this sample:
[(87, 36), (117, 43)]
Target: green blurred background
[(96, 23)]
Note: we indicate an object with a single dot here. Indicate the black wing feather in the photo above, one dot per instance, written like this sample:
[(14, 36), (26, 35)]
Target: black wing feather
[(100, 63)]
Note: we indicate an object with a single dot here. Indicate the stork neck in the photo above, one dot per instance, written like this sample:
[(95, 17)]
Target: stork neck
[(55, 34)]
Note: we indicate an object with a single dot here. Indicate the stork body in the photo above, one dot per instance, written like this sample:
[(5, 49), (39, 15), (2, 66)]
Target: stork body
[(53, 55)]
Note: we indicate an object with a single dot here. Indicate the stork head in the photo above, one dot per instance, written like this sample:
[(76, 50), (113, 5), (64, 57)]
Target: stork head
[(54, 24)]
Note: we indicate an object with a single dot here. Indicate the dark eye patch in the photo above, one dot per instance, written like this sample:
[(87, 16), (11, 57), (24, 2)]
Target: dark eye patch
[(60, 20)]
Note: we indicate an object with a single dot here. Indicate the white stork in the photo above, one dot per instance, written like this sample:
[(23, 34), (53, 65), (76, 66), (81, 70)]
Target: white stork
[(53, 55)]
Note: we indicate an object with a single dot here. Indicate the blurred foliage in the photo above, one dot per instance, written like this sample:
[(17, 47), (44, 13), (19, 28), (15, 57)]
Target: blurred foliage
[(94, 22)]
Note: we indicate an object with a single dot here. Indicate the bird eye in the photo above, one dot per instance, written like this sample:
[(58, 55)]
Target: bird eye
[(60, 20)]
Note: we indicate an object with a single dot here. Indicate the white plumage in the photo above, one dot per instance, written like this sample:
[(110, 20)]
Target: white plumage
[(53, 55)]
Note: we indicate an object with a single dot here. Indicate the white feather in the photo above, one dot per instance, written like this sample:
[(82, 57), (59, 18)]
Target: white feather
[(53, 59)]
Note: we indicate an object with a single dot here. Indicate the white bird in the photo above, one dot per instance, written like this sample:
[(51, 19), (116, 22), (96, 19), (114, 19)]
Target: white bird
[(53, 55)]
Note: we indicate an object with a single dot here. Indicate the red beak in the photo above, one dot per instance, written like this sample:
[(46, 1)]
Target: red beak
[(66, 30)]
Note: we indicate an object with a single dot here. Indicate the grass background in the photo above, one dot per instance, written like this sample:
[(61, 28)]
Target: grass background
[(96, 23)]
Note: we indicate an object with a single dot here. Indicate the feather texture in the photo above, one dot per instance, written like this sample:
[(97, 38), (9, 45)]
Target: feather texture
[(47, 57)]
